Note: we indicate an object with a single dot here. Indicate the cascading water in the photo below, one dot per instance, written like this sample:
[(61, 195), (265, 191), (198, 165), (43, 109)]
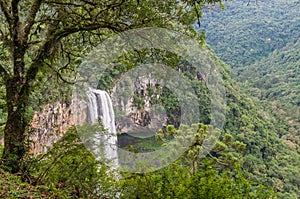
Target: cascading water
[(100, 108)]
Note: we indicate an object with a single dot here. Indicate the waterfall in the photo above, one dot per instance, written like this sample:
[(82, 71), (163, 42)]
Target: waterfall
[(100, 108)]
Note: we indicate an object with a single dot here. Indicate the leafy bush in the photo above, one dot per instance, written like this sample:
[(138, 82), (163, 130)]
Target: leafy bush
[(176, 181), (71, 167), (71, 171), (219, 175), (11, 187)]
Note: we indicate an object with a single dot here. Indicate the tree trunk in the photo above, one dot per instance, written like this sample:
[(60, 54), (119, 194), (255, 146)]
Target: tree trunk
[(15, 128)]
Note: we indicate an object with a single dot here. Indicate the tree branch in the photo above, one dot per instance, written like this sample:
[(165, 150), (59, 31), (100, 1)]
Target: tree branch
[(31, 16), (59, 75), (4, 74), (15, 15), (197, 14), (55, 34), (90, 3), (63, 3), (30, 76), (71, 30), (111, 6)]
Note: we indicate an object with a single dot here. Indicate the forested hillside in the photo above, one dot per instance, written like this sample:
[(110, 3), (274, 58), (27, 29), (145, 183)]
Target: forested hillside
[(247, 141), (260, 40), (275, 78), (268, 157), (247, 31)]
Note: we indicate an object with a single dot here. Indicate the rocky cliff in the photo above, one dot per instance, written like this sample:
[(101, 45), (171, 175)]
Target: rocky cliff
[(138, 111), (135, 113), (49, 124)]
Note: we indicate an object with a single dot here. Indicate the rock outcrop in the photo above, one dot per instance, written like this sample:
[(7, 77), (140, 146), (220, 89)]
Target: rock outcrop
[(49, 124), (137, 111)]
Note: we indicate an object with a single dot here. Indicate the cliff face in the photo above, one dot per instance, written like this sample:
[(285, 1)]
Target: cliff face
[(49, 124), (137, 112)]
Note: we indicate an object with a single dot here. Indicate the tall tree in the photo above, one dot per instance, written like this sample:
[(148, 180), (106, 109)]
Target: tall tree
[(34, 35)]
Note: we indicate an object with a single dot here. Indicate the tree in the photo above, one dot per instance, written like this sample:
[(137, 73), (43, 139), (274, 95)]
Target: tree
[(46, 36), (218, 175)]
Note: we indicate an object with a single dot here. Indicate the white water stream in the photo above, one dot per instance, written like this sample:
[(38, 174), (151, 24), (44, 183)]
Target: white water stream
[(100, 108)]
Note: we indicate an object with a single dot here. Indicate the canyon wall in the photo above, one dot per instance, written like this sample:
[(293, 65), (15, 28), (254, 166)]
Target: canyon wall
[(137, 112), (49, 124)]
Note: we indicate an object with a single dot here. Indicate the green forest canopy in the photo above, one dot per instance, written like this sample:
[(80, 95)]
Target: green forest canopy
[(247, 31)]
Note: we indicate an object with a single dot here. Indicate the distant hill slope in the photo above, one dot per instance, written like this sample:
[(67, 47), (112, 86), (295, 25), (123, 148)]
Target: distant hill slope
[(260, 42), (276, 77), (272, 155), (276, 80), (242, 34)]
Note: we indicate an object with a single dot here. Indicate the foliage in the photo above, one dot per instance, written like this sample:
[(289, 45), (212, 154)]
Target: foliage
[(69, 169), (276, 77), (247, 31), (70, 166), (266, 65), (266, 155), (12, 187), (216, 176), (269, 160), (160, 93), (1, 149), (176, 181), (275, 84)]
